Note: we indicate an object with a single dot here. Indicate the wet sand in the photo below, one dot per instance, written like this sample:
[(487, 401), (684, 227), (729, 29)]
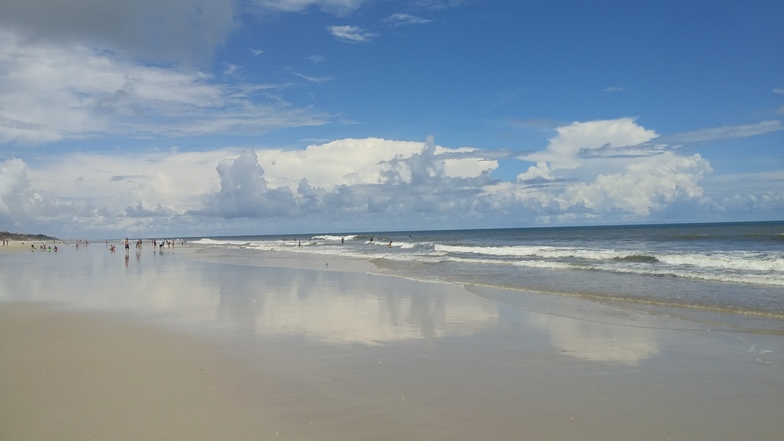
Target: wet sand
[(162, 346)]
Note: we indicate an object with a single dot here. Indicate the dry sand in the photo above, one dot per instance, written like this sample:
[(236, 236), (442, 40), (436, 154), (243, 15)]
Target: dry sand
[(185, 350), (18, 245)]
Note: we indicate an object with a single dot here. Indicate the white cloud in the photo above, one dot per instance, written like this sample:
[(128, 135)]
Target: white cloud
[(352, 34), (348, 176), (339, 7), (358, 183), (400, 19), (168, 179), (25, 207), (539, 172), (316, 80), (778, 90), (727, 132), (14, 188), (360, 161), (244, 191), (748, 193), (152, 190), (440, 4), (578, 138), (645, 186), (607, 169), (51, 93)]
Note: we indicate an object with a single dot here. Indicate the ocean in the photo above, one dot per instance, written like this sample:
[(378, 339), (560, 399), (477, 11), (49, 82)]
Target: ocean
[(734, 268)]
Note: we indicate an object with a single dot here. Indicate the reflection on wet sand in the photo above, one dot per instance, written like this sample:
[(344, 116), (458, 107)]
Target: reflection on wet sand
[(599, 341), (331, 306), (346, 307)]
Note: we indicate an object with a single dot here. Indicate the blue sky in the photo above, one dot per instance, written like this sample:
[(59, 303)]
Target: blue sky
[(208, 117)]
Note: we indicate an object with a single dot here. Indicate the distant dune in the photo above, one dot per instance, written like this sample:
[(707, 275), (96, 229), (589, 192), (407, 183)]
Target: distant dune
[(5, 235)]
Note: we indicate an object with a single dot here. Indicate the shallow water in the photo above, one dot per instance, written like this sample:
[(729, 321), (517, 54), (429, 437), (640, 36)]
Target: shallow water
[(736, 268)]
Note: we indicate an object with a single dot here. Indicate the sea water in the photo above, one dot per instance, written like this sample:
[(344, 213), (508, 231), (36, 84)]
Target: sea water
[(733, 268)]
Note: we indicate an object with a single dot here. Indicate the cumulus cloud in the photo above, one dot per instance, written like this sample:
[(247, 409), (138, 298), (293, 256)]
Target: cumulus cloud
[(26, 207), (536, 173), (608, 169), (51, 92), (645, 186), (174, 30), (154, 190), (404, 179), (581, 138), (244, 191), (351, 34), (361, 161), (367, 183), (747, 193)]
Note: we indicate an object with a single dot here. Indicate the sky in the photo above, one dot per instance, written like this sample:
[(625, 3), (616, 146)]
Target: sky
[(193, 118)]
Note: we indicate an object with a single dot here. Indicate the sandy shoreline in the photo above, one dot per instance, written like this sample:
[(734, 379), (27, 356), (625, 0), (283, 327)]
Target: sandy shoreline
[(17, 246), (180, 349)]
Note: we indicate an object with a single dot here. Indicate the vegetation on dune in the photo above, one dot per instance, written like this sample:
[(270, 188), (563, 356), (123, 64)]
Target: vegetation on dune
[(5, 235)]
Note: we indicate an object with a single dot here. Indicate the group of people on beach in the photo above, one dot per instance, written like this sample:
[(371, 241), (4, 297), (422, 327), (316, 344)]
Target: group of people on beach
[(43, 247), (156, 244), (342, 241)]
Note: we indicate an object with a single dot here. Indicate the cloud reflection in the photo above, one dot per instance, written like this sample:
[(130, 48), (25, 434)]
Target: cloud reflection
[(599, 341), (346, 307)]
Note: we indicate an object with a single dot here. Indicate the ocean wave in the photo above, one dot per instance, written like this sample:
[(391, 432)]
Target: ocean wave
[(723, 277), (333, 238), (541, 264), (547, 252), (642, 258), (726, 266), (743, 261), (219, 242)]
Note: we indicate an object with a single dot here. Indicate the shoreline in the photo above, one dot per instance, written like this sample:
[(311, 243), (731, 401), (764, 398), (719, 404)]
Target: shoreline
[(718, 316), (15, 246), (335, 354)]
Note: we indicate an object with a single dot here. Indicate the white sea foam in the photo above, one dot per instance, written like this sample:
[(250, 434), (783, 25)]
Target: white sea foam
[(333, 238), (742, 261), (220, 242), (538, 251)]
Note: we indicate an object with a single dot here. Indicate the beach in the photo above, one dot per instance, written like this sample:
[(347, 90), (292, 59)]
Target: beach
[(180, 344)]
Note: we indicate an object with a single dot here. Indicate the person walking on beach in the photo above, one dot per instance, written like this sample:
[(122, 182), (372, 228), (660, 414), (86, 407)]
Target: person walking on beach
[(127, 246)]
